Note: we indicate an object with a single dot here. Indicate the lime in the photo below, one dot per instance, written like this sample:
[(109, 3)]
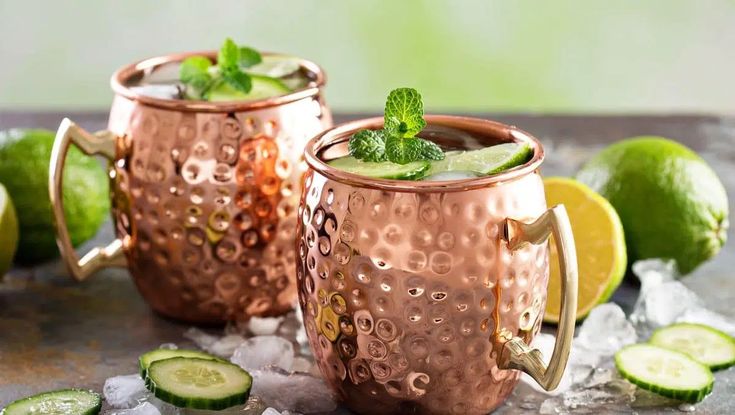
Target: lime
[(24, 164), (598, 236), (8, 231), (488, 160), (671, 203)]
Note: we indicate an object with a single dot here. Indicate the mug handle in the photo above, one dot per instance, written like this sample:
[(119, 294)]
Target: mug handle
[(516, 353), (101, 143)]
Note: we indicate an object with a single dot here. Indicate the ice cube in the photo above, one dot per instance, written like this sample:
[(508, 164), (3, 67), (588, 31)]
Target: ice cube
[(302, 364), (159, 91), (663, 305), (200, 338), (306, 394), (271, 411), (262, 326), (262, 351), (451, 175), (124, 391), (707, 317), (168, 346), (145, 408), (219, 346), (606, 330)]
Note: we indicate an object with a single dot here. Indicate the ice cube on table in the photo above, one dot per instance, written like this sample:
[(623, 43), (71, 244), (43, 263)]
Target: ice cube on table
[(125, 391), (606, 330), (451, 175), (145, 408), (292, 391), (707, 317), (262, 326), (262, 351), (219, 346)]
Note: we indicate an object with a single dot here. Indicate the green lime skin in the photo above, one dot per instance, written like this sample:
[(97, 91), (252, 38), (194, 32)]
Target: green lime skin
[(24, 165), (8, 231), (671, 203)]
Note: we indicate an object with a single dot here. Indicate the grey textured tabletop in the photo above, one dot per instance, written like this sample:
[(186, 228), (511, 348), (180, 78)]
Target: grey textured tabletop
[(57, 333)]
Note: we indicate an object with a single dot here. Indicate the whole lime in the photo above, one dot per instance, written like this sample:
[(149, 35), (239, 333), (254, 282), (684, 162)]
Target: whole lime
[(8, 231), (671, 203), (24, 165)]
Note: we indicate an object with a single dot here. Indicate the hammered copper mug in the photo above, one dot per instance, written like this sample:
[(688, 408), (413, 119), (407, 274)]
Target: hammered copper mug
[(422, 297), (204, 195)]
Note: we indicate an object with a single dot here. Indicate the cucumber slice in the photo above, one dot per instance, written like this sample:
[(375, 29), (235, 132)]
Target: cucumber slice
[(486, 161), (665, 372), (263, 87), (61, 402), (382, 170), (192, 382), (146, 359), (704, 344)]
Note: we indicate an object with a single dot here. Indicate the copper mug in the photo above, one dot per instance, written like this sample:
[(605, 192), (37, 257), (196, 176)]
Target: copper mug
[(204, 195), (422, 297)]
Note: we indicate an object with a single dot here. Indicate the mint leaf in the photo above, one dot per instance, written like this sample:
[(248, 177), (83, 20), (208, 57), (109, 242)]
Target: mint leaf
[(403, 150), (368, 145), (404, 113), (249, 57), (229, 55), (238, 79), (430, 151), (194, 71)]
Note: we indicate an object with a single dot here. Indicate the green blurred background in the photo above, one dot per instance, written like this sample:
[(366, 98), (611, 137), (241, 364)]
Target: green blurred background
[(476, 55)]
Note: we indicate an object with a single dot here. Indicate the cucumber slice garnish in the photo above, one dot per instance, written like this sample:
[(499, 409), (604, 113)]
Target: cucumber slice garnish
[(191, 382), (665, 372), (263, 87), (61, 402), (704, 344), (486, 161), (146, 359), (382, 170)]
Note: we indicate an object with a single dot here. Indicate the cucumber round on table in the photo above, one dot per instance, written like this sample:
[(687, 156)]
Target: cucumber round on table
[(486, 161), (382, 170), (704, 344), (665, 372), (61, 402), (196, 383), (146, 359), (263, 87)]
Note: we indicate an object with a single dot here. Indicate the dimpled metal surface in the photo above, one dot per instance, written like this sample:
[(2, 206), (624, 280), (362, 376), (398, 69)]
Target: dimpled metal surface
[(206, 202), (408, 296)]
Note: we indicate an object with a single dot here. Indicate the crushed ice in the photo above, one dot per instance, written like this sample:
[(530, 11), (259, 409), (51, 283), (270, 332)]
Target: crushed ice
[(591, 382)]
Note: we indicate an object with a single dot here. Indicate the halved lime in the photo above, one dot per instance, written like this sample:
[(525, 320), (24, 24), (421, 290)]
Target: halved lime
[(8, 231), (600, 243), (486, 161), (382, 170)]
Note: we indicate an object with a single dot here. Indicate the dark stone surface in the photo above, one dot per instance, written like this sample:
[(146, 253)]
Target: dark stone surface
[(57, 333)]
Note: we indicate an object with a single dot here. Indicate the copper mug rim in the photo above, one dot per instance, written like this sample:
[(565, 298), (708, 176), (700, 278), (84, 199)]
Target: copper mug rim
[(122, 75), (502, 131)]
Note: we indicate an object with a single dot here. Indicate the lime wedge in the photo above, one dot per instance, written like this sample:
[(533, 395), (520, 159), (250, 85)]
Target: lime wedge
[(486, 161), (8, 231), (263, 87), (276, 66)]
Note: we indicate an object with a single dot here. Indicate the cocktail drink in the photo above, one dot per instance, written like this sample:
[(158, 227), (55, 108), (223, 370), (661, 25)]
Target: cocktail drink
[(423, 295), (205, 155)]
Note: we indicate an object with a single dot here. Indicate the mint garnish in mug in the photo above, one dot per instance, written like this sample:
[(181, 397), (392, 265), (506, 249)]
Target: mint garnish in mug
[(396, 152), (239, 73), (397, 141)]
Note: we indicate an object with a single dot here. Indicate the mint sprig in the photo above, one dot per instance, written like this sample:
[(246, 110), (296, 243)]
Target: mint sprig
[(200, 76), (397, 141)]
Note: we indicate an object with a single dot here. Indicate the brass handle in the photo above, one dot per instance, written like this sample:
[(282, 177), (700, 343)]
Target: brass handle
[(516, 353), (102, 143)]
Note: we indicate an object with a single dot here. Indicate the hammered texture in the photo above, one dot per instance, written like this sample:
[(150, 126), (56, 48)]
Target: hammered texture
[(206, 205), (407, 297)]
